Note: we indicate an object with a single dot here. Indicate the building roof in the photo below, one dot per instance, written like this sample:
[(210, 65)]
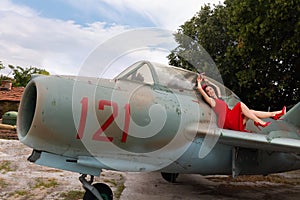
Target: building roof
[(14, 94)]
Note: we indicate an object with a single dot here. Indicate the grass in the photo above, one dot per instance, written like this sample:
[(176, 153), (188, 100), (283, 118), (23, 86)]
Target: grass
[(111, 182), (119, 191), (117, 183), (45, 183), (21, 192), (5, 166), (3, 184), (72, 195)]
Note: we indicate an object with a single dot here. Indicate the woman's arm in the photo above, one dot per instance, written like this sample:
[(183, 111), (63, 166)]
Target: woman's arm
[(208, 99)]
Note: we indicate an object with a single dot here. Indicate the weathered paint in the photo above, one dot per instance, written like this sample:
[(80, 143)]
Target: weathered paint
[(77, 119)]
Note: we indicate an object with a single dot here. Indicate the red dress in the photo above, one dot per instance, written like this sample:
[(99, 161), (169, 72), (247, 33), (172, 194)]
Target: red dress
[(229, 119)]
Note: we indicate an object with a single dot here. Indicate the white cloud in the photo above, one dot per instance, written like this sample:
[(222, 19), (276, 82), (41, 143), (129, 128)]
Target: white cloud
[(60, 47), (167, 14), (26, 39), (7, 6), (115, 54)]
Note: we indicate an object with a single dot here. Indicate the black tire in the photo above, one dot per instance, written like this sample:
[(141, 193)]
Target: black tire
[(104, 191), (170, 177)]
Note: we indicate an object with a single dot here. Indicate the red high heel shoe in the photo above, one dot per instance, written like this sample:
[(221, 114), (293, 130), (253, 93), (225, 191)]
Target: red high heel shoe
[(257, 124), (277, 116)]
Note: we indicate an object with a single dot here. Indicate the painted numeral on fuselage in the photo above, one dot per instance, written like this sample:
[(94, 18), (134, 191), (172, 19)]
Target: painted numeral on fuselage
[(98, 134), (83, 115), (127, 122), (107, 123)]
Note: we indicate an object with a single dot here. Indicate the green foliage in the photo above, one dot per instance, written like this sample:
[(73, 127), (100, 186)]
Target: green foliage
[(2, 77), (22, 76), (3, 183), (6, 166), (22, 192), (255, 45), (1, 65), (72, 195), (45, 183)]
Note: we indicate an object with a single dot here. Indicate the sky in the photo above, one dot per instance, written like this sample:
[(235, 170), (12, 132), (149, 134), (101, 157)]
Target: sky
[(61, 35)]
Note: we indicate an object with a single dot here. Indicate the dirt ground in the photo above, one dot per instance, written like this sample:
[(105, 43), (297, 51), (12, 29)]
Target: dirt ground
[(22, 180), (194, 187)]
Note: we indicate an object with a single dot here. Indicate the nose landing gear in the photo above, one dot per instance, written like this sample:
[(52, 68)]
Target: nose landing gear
[(97, 191)]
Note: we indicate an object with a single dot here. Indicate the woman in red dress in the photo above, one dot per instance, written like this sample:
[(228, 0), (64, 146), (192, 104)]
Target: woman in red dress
[(236, 118)]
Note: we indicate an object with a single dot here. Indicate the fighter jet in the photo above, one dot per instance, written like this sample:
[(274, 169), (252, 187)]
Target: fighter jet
[(148, 118)]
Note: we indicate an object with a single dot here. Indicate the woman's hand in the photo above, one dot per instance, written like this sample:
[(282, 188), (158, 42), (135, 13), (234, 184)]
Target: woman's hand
[(200, 78)]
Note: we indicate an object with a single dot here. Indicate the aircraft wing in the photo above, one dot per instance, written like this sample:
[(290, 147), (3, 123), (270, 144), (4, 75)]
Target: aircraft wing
[(282, 135), (274, 141), (282, 141)]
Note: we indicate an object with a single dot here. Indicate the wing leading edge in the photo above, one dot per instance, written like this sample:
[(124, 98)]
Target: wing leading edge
[(274, 141)]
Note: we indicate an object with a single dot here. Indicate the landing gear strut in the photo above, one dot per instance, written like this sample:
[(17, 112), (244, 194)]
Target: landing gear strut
[(97, 191)]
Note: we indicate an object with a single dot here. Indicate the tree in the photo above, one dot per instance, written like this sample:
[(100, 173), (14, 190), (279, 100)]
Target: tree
[(22, 76), (1, 65), (207, 28), (3, 77), (255, 45)]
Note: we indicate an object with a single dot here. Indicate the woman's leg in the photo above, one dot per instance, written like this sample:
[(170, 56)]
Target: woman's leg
[(250, 114), (263, 114)]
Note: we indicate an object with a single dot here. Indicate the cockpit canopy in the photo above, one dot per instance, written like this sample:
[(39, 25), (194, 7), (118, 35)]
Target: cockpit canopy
[(173, 78), (158, 74)]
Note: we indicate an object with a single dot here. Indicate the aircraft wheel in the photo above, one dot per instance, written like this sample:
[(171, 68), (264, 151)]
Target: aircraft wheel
[(104, 191), (170, 177)]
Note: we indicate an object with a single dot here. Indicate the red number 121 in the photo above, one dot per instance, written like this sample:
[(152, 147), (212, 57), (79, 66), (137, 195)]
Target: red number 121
[(98, 134)]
